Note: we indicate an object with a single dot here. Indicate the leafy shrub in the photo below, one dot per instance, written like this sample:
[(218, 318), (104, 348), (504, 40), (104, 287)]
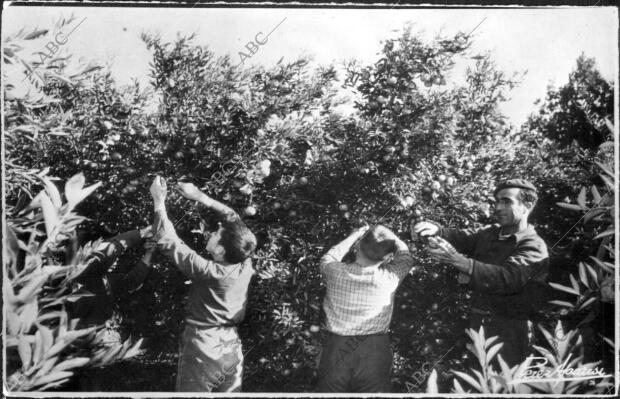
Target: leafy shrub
[(44, 348), (562, 354), (553, 372), (41, 256)]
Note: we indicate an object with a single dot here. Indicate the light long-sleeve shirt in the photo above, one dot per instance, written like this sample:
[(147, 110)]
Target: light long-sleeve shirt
[(360, 300), (218, 294)]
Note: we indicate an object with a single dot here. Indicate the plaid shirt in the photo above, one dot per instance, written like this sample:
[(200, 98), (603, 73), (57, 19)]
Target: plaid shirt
[(360, 300)]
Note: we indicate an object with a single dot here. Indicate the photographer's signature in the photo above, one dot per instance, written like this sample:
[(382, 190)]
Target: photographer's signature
[(540, 373)]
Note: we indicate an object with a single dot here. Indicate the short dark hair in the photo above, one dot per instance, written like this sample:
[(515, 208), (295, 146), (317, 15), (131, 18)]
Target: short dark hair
[(375, 245), (237, 240), (527, 195)]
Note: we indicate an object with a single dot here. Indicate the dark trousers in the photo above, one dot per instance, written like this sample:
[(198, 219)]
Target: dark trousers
[(516, 334), (355, 363)]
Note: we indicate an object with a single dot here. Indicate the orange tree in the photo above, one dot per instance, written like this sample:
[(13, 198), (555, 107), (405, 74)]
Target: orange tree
[(268, 142)]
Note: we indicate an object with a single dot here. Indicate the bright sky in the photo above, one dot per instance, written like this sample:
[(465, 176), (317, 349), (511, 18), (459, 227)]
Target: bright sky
[(544, 41)]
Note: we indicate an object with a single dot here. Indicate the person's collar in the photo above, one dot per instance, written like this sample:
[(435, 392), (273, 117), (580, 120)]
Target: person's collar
[(519, 235)]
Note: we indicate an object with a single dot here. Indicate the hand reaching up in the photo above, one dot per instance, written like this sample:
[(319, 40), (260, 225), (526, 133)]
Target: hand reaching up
[(189, 191), (159, 191)]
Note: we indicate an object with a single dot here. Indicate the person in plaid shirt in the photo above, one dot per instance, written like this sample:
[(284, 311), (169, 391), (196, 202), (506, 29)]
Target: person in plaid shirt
[(356, 355)]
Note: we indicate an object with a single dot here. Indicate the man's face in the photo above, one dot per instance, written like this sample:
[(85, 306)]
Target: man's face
[(509, 210)]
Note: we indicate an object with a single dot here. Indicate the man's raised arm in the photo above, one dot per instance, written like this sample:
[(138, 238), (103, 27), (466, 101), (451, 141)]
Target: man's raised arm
[(191, 192), (338, 251), (168, 242)]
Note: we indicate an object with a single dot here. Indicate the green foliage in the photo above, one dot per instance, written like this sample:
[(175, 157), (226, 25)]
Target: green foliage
[(536, 374), (577, 110), (268, 141), (41, 257), (44, 348), (596, 278)]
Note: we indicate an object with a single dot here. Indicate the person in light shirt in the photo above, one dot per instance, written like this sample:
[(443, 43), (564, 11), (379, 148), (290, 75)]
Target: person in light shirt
[(210, 357), (356, 355)]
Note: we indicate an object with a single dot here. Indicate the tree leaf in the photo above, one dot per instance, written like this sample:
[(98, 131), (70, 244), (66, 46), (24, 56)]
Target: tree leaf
[(562, 345), (493, 351), (593, 213), (609, 184), (569, 206), (52, 191), (582, 275), (71, 336), (592, 273), (608, 267), (608, 232), (50, 214), (48, 364), (28, 293), (53, 384), (61, 78), (47, 338), (11, 246), (72, 363), (596, 196), (574, 283), (564, 288), (431, 384), (73, 188), (587, 303), (606, 169), (112, 354), (28, 316), (562, 303), (36, 34), (134, 350), (74, 191), (46, 379), (457, 387), (25, 352), (610, 126), (609, 342), (581, 198), (469, 379)]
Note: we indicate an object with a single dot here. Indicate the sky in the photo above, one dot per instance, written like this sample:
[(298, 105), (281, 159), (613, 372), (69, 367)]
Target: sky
[(545, 42)]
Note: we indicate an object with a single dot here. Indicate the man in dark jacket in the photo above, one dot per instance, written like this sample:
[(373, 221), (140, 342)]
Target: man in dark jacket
[(105, 286), (502, 264)]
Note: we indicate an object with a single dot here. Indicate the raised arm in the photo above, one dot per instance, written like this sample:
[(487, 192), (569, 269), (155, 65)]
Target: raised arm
[(462, 240), (337, 252), (190, 191), (168, 242), (402, 261), (133, 280), (107, 253)]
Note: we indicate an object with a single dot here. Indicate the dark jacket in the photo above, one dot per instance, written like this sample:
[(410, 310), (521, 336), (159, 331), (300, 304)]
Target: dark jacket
[(508, 272), (96, 309)]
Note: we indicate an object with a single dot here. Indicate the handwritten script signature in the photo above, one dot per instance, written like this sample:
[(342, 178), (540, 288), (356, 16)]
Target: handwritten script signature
[(540, 373)]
